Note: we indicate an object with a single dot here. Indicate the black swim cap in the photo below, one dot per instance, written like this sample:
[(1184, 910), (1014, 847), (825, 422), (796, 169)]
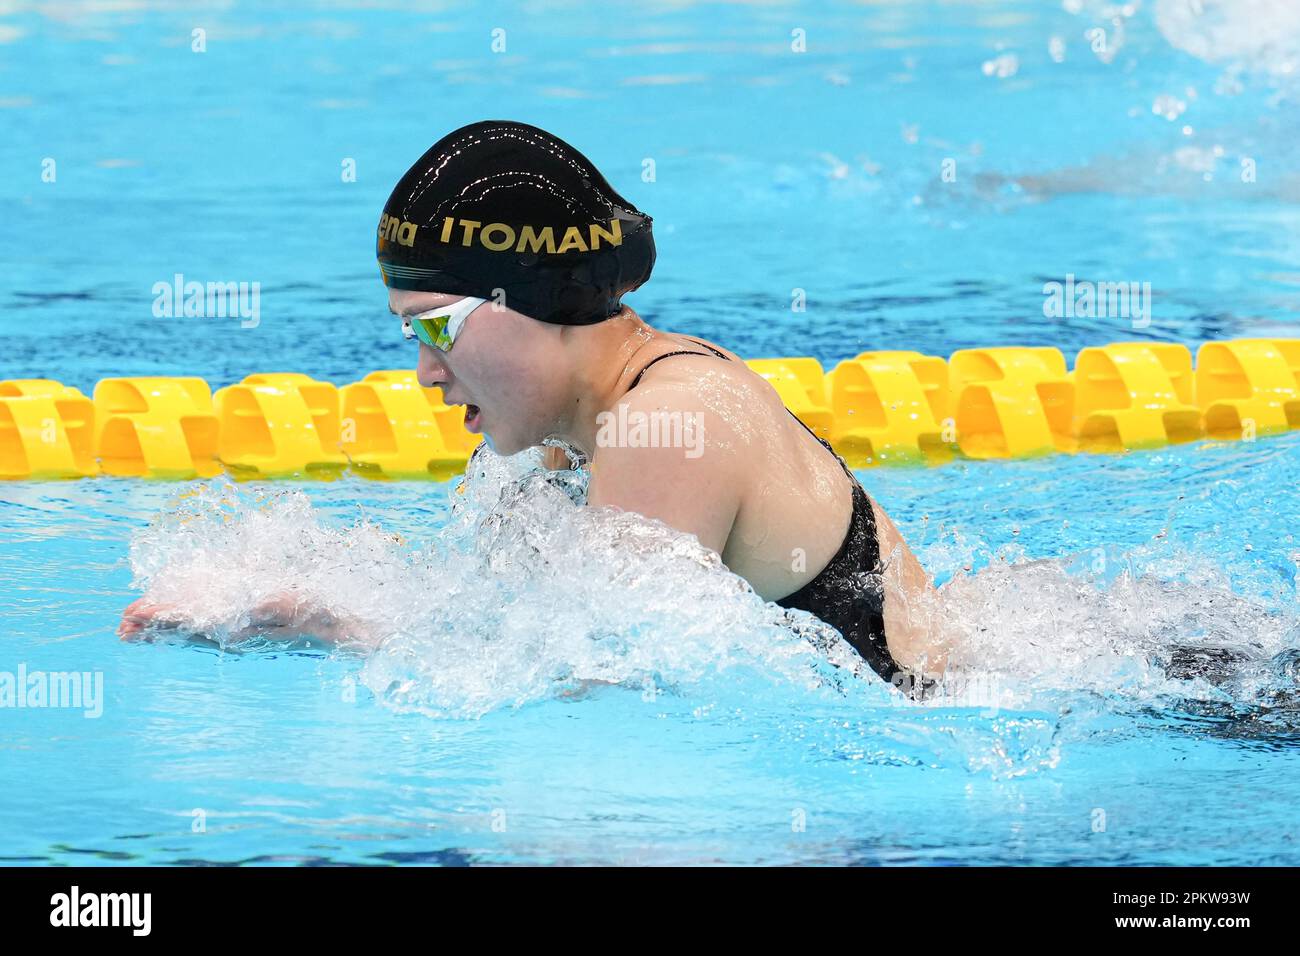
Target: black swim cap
[(505, 205)]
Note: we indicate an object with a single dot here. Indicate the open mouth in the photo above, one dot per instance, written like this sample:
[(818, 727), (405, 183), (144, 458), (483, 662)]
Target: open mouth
[(472, 418)]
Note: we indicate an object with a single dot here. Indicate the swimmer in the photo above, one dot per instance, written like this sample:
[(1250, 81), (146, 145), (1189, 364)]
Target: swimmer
[(506, 255)]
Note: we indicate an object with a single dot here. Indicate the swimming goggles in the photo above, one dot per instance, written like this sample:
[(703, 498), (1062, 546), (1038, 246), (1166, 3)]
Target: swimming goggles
[(438, 328)]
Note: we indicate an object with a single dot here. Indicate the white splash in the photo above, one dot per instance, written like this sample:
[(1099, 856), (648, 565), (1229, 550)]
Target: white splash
[(1259, 35), (525, 594)]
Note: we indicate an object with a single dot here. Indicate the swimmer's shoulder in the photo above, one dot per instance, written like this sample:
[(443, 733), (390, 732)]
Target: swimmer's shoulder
[(686, 373), (688, 359)]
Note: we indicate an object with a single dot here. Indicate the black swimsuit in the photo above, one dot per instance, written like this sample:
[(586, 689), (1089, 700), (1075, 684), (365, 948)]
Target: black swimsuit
[(848, 594)]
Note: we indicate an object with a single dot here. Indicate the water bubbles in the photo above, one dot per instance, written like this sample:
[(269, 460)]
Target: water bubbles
[(1168, 106), (1229, 83), (837, 168), (1003, 66), (1196, 159)]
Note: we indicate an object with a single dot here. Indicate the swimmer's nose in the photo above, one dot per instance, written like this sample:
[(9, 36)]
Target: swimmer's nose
[(430, 370)]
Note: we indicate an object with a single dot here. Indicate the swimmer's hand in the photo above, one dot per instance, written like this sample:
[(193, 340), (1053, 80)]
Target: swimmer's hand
[(554, 459), (284, 616), (143, 614)]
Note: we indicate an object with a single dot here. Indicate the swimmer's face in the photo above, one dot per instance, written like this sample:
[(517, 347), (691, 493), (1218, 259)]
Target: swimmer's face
[(503, 362)]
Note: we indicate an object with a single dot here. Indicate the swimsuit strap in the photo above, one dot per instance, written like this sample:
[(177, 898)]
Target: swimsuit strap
[(671, 354), (706, 345), (830, 448), (848, 471)]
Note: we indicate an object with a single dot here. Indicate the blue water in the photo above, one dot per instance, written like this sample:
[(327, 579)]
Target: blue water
[(775, 171)]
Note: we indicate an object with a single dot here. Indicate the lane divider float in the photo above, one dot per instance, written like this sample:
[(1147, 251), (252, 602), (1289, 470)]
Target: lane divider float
[(878, 408)]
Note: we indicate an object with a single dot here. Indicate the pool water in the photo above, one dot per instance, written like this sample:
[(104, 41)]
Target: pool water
[(469, 740), (558, 686)]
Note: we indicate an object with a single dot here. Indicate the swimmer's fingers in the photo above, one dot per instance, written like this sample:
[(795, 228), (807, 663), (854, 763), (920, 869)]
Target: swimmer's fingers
[(554, 458), (144, 615)]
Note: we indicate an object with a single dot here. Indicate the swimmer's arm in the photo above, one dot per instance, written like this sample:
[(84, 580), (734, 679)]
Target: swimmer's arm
[(290, 616), (284, 616), (914, 613), (693, 488)]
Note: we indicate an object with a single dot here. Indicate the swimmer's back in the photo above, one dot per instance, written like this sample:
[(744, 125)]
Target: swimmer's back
[(790, 488), (795, 497)]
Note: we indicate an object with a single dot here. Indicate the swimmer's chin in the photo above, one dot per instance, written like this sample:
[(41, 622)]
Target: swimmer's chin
[(505, 447)]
